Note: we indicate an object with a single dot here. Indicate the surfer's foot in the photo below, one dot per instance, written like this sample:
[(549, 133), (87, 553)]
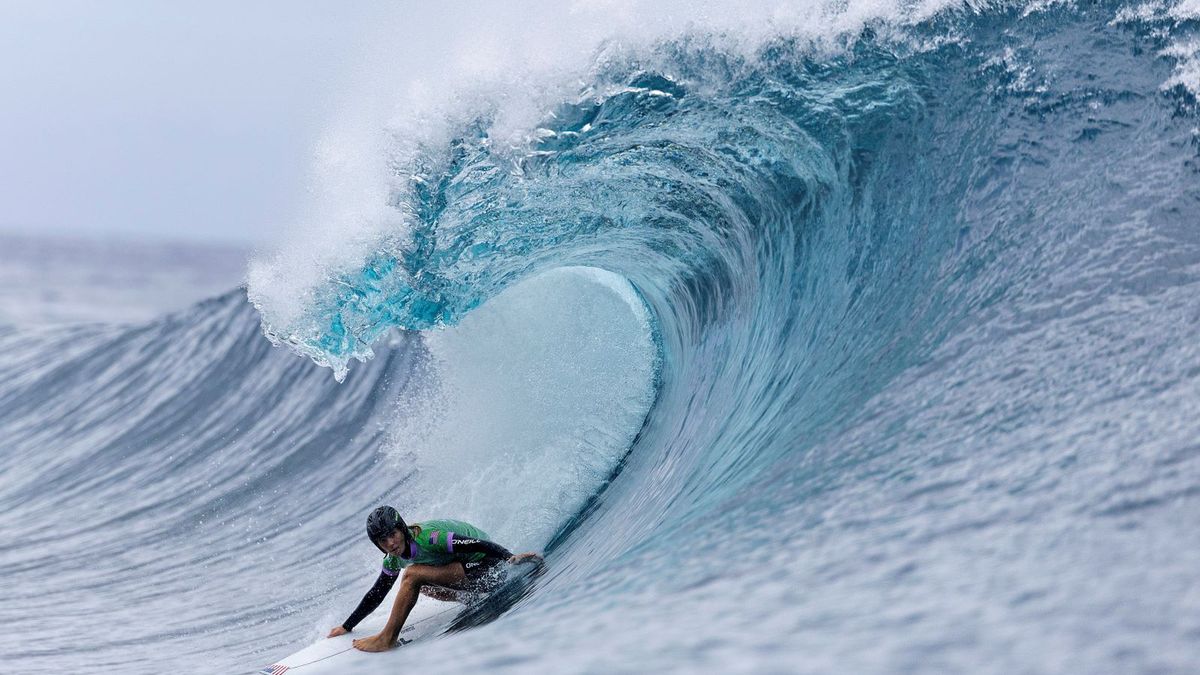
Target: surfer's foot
[(375, 643)]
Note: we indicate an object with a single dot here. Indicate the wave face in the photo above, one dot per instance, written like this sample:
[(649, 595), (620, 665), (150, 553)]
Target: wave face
[(868, 355)]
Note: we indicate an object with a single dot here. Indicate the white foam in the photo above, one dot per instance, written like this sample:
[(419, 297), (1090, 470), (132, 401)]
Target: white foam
[(1183, 10), (1187, 66), (425, 72), (1184, 50)]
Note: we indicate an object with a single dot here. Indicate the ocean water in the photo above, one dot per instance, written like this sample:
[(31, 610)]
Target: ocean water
[(870, 349), (57, 280)]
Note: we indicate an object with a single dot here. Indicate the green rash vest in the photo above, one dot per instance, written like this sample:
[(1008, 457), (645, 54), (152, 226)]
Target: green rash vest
[(435, 545)]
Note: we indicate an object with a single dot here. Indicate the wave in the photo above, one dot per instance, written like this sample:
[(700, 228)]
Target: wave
[(878, 265)]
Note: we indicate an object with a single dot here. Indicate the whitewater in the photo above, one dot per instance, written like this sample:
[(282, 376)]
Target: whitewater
[(823, 338)]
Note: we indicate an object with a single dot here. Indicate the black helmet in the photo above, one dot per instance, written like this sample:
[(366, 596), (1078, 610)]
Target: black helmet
[(382, 522)]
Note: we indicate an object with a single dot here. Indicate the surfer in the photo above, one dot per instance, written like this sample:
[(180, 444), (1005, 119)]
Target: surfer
[(444, 559)]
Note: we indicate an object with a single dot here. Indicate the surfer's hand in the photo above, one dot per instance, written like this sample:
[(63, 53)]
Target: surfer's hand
[(338, 630), (375, 643), (522, 557)]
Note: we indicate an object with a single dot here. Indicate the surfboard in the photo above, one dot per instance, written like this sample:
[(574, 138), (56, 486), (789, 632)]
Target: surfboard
[(336, 655), (429, 618)]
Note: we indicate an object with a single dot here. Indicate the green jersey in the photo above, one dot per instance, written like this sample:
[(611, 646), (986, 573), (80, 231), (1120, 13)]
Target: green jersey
[(434, 545)]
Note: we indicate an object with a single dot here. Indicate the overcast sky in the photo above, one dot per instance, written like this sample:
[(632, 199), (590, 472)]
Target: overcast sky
[(202, 120), (164, 119)]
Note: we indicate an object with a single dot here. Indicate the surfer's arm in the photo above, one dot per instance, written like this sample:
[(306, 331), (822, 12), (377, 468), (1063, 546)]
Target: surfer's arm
[(372, 599), (454, 544), (490, 549)]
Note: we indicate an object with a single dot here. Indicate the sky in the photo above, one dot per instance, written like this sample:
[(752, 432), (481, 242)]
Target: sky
[(213, 121), (256, 122), (165, 120)]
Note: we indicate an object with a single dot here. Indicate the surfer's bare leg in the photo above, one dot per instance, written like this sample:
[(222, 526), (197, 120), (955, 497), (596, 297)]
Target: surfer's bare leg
[(440, 593), (415, 577)]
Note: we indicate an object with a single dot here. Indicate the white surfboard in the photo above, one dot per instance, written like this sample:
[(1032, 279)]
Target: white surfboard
[(338, 655), (429, 618)]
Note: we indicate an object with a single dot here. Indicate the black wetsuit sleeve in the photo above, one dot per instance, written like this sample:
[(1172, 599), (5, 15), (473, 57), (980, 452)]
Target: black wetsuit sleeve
[(489, 549), (371, 600)]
